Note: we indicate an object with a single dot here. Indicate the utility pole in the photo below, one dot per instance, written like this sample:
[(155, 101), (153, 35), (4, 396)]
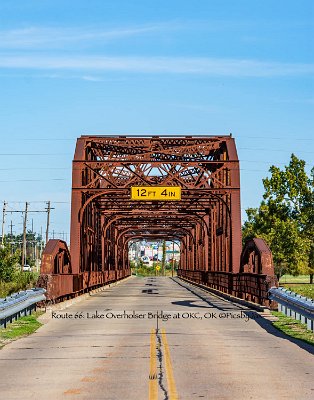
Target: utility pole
[(24, 236), (48, 220), (11, 236), (34, 249), (3, 223), (41, 241), (11, 229), (25, 219)]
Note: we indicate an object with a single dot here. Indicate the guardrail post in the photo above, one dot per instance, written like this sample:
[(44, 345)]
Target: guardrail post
[(14, 306), (294, 305)]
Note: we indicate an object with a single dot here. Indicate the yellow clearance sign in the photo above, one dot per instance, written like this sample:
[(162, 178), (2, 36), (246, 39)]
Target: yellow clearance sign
[(160, 193)]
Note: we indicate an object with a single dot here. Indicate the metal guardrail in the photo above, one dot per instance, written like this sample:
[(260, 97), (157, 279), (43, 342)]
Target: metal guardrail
[(294, 305), (17, 304)]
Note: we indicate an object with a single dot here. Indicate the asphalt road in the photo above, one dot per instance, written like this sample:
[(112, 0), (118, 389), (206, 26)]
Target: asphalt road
[(109, 346)]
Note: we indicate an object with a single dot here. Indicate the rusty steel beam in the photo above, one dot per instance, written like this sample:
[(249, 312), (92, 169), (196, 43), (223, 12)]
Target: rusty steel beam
[(104, 169), (206, 220)]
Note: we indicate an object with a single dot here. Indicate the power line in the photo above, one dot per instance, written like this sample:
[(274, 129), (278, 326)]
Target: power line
[(273, 138), (33, 169), (54, 139), (276, 150), (77, 169), (35, 180), (44, 139), (238, 148), (29, 202), (25, 213), (35, 154)]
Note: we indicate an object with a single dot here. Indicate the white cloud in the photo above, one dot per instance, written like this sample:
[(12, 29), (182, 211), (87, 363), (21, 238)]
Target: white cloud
[(178, 65), (91, 78), (295, 100), (42, 37), (208, 108)]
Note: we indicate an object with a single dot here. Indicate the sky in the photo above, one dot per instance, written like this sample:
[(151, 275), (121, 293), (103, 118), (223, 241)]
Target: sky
[(173, 67)]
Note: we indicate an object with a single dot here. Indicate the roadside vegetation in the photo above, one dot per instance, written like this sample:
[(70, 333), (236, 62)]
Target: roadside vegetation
[(303, 290), (20, 281), (22, 327), (298, 284), (156, 269), (12, 279), (285, 218), (293, 328), (286, 279)]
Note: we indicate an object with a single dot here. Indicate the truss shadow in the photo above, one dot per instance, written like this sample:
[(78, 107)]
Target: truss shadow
[(227, 306), (269, 328)]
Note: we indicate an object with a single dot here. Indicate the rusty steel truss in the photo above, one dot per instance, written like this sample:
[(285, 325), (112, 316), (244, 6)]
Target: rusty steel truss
[(206, 221)]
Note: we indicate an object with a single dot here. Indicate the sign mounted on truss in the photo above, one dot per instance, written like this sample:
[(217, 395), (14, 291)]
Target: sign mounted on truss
[(126, 189), (157, 193)]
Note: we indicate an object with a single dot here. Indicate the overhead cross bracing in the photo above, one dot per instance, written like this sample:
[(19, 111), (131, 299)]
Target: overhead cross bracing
[(206, 169), (105, 219)]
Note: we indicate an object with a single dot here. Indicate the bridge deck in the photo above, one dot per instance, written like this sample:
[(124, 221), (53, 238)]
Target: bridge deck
[(210, 358)]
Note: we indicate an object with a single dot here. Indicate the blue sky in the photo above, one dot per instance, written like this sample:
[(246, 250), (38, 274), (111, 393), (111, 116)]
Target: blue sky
[(149, 67)]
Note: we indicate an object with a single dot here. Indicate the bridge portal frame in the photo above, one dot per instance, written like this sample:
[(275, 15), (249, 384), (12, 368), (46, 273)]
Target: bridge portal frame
[(206, 168), (207, 219)]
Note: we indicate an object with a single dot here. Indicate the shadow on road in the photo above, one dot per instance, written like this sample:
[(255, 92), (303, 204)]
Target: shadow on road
[(264, 323), (188, 303), (219, 303), (268, 326)]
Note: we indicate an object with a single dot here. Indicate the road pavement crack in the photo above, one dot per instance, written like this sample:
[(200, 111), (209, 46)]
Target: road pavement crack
[(161, 370)]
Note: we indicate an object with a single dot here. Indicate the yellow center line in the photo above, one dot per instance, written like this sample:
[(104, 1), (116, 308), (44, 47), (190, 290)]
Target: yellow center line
[(153, 377), (173, 394)]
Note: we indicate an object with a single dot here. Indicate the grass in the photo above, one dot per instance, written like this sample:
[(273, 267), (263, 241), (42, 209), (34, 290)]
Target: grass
[(303, 290), (302, 284), (295, 279), (22, 327), (293, 328)]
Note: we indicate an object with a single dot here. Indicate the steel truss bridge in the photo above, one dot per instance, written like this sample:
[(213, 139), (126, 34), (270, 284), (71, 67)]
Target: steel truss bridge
[(206, 221)]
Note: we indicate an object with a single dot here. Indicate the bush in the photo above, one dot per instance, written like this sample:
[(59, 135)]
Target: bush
[(8, 264), (12, 279), (20, 281)]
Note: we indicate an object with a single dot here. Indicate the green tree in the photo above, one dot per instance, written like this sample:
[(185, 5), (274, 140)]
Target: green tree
[(282, 235), (8, 263), (285, 219), (33, 240)]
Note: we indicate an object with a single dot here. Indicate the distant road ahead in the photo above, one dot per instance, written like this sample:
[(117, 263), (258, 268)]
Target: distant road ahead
[(205, 348)]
